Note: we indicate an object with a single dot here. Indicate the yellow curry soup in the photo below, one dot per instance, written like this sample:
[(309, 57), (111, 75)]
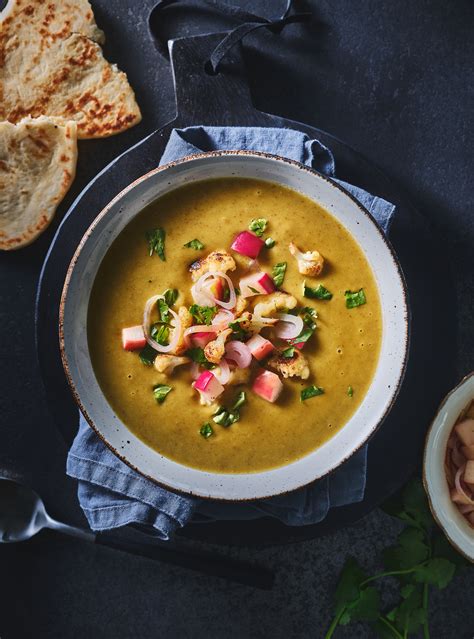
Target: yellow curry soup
[(341, 353)]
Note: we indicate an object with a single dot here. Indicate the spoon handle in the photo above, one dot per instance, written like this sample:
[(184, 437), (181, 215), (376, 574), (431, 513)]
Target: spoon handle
[(204, 562)]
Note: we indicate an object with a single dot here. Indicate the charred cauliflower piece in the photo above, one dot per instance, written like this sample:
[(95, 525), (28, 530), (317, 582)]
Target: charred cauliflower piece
[(240, 306), (186, 321), (309, 263), (275, 302), (167, 363), (296, 366), (214, 351), (216, 261)]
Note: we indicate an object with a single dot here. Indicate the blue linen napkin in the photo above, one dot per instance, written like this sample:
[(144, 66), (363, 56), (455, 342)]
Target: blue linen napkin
[(112, 495)]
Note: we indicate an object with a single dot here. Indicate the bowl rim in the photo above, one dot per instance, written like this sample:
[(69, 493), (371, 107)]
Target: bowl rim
[(407, 315), (427, 451)]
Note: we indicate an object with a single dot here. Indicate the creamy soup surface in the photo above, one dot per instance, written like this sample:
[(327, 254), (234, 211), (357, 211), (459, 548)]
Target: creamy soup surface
[(342, 354)]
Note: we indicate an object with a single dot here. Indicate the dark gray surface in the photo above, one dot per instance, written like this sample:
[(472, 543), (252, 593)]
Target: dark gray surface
[(392, 79)]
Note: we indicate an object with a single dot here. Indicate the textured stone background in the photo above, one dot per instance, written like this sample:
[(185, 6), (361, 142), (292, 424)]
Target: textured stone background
[(394, 79)]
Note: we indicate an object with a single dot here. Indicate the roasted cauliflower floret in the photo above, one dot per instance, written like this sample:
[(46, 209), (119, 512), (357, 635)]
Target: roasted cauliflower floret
[(275, 302), (166, 364), (214, 351), (239, 376), (240, 306), (296, 366), (186, 321), (216, 261), (309, 263)]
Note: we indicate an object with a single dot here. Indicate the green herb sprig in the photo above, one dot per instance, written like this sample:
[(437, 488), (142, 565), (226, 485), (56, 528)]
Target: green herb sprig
[(318, 293), (258, 226), (311, 391), (354, 299), (206, 430), (197, 245), (203, 314), (228, 416), (161, 391), (421, 558), (156, 242), (197, 355), (278, 273)]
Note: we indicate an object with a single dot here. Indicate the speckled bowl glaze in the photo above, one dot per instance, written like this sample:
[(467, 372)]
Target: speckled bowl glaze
[(75, 351), (454, 525)]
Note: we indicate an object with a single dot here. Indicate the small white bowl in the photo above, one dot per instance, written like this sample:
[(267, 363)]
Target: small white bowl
[(453, 524)]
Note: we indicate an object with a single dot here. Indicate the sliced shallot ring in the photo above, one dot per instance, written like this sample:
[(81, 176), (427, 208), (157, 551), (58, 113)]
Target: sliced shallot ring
[(222, 372), (176, 327), (289, 326), (459, 488), (198, 292), (199, 328), (239, 353)]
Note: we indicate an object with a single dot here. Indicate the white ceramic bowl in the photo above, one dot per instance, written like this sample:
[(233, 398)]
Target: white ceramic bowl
[(75, 350), (454, 525)]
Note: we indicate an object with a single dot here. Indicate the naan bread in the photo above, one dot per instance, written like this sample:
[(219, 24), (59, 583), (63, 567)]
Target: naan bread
[(51, 64), (37, 166)]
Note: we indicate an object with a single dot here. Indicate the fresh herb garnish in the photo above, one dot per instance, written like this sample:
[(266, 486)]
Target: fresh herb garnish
[(147, 355), (254, 290), (356, 298), (422, 558), (206, 430), (164, 311), (288, 352), (237, 330), (156, 242), (226, 417), (270, 242), (311, 391), (278, 273), (318, 293), (203, 314), (160, 333), (194, 244), (303, 337), (197, 355), (160, 391), (309, 316), (171, 295), (350, 391), (258, 226)]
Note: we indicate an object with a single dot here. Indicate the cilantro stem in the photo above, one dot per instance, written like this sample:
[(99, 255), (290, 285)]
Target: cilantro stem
[(393, 572), (334, 624), (389, 625)]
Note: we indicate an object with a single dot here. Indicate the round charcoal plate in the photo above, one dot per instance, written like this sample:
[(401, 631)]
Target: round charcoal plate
[(395, 450)]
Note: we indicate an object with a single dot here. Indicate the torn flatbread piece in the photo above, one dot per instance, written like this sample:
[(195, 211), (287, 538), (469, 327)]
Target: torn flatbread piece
[(37, 166), (51, 64)]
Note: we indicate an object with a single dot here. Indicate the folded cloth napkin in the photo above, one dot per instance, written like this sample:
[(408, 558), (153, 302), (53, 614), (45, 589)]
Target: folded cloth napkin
[(112, 495)]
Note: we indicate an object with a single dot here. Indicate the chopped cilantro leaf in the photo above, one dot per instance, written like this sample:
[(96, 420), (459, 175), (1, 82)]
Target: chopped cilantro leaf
[(194, 244), (164, 311), (319, 293), (237, 330), (288, 352), (147, 355), (241, 399), (206, 430), (160, 333), (356, 298), (350, 391), (171, 295), (303, 337), (197, 355), (203, 314), (278, 273), (311, 391), (156, 242), (226, 417), (270, 242), (254, 290), (258, 226), (309, 316), (160, 391)]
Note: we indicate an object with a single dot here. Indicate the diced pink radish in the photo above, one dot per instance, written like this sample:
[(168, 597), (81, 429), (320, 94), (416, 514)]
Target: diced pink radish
[(133, 338), (202, 339), (465, 432), (260, 347), (268, 386), (208, 386), (256, 284), (247, 244)]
